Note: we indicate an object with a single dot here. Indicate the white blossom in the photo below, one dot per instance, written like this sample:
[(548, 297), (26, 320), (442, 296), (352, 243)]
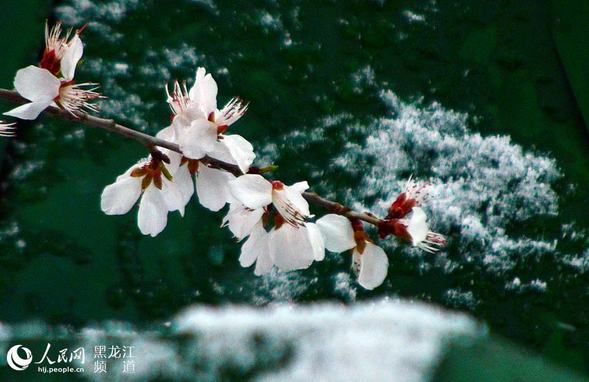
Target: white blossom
[(369, 261), (292, 243), (200, 127), (254, 191), (212, 185), (241, 220), (52, 84), (62, 54), (151, 181), (296, 247), (257, 249), (287, 247), (417, 228)]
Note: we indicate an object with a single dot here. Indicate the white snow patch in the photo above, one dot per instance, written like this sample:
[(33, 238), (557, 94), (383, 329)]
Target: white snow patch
[(480, 185), (328, 342), (376, 341)]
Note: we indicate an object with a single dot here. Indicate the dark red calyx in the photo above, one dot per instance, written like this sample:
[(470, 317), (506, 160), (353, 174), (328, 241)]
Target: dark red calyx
[(401, 207), (150, 172), (357, 225), (159, 156), (278, 220), (192, 164), (393, 227), (360, 237), (50, 62)]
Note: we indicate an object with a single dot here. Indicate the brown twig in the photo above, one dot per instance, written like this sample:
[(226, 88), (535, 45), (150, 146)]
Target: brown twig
[(150, 141)]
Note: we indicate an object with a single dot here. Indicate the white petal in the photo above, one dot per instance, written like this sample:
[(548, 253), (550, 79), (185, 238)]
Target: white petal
[(167, 133), (194, 111), (316, 240), (221, 152), (180, 122), (118, 198), (264, 262), (252, 190), (127, 173), (290, 205), (337, 231), (295, 197), (198, 139), (175, 160), (212, 187), (374, 266), (36, 84), (249, 249), (290, 248), (256, 248), (234, 149), (183, 180), (417, 226), (241, 220), (204, 91), (29, 111), (70, 59), (241, 151), (198, 78), (172, 196), (153, 212), (300, 187)]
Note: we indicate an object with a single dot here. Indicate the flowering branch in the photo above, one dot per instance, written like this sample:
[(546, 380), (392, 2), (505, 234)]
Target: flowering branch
[(150, 141), (194, 154), (111, 125)]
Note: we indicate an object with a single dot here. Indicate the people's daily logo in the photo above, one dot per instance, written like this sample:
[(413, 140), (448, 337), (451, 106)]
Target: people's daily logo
[(73, 359), (18, 361)]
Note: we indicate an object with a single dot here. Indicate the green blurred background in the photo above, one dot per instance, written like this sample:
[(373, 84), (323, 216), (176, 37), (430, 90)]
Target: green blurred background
[(517, 68)]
